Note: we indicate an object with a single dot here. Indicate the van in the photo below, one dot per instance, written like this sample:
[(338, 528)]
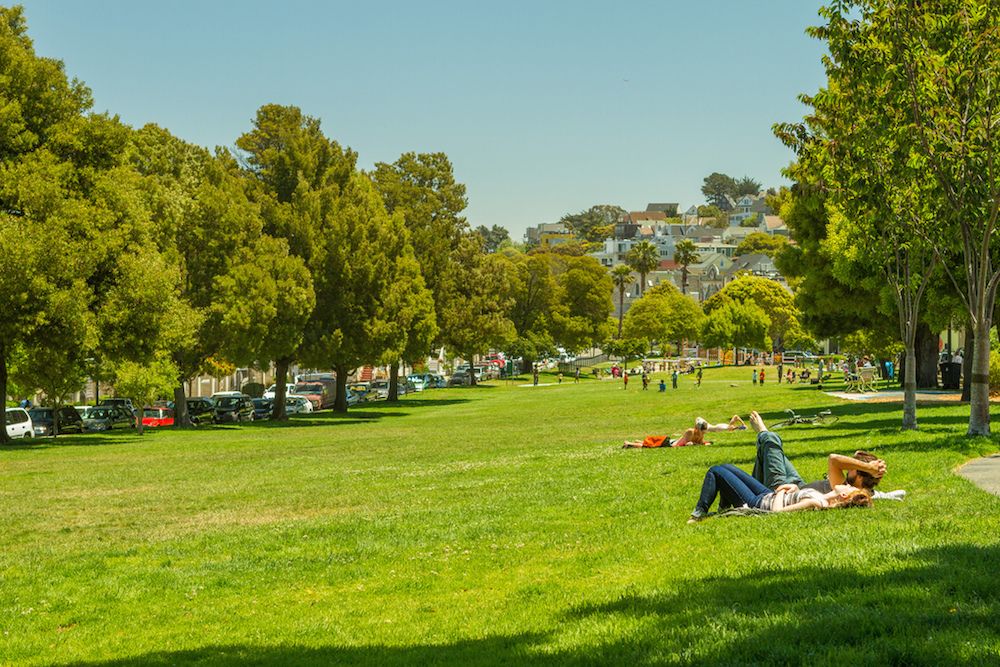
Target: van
[(18, 423), (322, 392), (232, 406)]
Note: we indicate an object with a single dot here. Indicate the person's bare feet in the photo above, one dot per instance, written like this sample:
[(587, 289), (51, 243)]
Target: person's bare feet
[(757, 422)]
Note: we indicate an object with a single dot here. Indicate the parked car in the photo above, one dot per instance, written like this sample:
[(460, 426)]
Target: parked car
[(321, 393), (84, 410), (380, 390), (437, 382), (155, 416), (262, 408), (362, 391), (232, 406), (272, 391), (108, 417), (297, 405), (352, 398), (200, 408), (460, 379), (18, 423), (419, 382), (791, 356), (42, 420), (125, 403)]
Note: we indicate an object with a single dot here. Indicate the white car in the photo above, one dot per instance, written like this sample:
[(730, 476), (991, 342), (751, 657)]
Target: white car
[(418, 382), (297, 405), (18, 423), (289, 389)]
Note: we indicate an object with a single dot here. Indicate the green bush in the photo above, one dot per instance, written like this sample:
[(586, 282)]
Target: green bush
[(994, 370)]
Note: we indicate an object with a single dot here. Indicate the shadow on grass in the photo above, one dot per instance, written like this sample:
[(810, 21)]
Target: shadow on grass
[(938, 606)]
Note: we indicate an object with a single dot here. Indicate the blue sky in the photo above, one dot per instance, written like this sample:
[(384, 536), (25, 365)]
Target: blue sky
[(544, 108)]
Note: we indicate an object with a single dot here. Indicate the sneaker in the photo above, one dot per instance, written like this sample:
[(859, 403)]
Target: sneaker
[(697, 515), (899, 494)]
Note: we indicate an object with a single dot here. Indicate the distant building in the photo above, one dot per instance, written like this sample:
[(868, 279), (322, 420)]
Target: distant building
[(669, 210), (548, 233)]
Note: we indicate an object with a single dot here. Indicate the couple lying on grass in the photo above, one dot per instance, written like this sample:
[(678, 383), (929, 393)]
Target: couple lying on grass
[(693, 436), (775, 485)]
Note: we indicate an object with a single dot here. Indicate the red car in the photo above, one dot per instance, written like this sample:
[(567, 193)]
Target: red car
[(157, 416)]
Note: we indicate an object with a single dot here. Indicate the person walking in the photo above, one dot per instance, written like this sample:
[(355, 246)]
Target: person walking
[(576, 376), (753, 376), (534, 375), (673, 379), (762, 377), (645, 381), (625, 379), (699, 376)]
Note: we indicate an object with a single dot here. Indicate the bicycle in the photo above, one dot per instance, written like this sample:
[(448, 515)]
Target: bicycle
[(823, 418)]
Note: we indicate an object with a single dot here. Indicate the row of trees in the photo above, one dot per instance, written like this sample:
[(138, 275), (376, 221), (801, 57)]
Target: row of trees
[(135, 257), (897, 189)]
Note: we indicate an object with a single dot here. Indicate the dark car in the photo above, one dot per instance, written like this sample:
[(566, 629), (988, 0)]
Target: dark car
[(108, 417), (43, 419), (124, 403), (232, 406), (261, 408), (200, 408)]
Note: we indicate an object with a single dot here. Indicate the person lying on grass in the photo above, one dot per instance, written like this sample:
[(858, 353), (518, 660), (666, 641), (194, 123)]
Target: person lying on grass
[(693, 436), (773, 469), (734, 487)]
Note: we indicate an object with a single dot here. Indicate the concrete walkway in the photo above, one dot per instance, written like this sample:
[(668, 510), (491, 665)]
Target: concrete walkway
[(984, 472)]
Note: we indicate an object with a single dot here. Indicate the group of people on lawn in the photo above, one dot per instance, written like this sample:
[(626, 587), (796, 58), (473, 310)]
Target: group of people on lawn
[(774, 485)]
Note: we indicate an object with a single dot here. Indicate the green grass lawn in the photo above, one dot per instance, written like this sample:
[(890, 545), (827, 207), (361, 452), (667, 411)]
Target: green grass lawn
[(497, 524)]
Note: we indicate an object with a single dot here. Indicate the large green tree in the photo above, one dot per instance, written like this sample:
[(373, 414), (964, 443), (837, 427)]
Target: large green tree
[(685, 254), (932, 69), (422, 188), (298, 175), (767, 295)]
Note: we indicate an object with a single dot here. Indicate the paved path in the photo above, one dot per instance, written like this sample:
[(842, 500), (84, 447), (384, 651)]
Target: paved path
[(984, 472)]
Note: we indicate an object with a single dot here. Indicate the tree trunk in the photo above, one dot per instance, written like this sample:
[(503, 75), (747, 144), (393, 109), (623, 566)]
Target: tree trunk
[(970, 342), (910, 390), (684, 280), (979, 403), (138, 421), (340, 402), (393, 382), (3, 393), (181, 417), (280, 380), (621, 309)]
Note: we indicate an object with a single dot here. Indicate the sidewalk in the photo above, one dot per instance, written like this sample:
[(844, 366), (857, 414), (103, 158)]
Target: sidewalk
[(984, 472)]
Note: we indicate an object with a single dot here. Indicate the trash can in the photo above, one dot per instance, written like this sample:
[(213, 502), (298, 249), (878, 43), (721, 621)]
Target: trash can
[(951, 375)]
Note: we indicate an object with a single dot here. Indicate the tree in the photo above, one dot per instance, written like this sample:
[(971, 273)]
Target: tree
[(582, 303), (685, 254), (475, 305), (299, 175), (353, 270), (596, 223), (493, 237), (146, 382), (422, 188), (898, 85), (765, 294), (760, 243), (665, 316), (643, 258), (715, 216), (717, 187), (622, 277), (745, 186), (736, 324)]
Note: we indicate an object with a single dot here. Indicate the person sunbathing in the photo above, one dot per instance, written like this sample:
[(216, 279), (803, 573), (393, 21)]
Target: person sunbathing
[(773, 468), (692, 436), (736, 488)]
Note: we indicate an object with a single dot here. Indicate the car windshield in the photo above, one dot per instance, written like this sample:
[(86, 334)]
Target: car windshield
[(41, 413), (226, 402), (309, 388), (294, 400), (100, 413), (152, 412)]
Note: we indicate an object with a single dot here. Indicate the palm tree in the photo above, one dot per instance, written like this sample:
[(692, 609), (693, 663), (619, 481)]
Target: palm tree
[(621, 275), (643, 258), (685, 254)]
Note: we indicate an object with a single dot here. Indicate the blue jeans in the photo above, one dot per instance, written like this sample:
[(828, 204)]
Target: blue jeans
[(733, 486), (771, 466)]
